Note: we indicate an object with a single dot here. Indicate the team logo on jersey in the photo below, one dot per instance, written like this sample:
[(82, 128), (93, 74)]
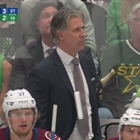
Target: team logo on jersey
[(130, 73), (48, 136)]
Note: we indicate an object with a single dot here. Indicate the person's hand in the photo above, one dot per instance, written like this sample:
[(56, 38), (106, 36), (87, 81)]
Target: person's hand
[(134, 96)]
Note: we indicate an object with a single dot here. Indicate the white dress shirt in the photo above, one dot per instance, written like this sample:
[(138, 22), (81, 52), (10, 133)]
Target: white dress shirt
[(66, 60)]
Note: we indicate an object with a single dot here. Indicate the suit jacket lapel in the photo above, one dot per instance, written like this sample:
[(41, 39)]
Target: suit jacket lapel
[(36, 51), (62, 72)]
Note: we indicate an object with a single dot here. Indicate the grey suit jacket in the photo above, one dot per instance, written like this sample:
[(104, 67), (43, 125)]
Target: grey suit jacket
[(25, 59)]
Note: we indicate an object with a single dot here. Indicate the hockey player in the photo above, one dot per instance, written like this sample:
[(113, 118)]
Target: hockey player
[(21, 113), (129, 126)]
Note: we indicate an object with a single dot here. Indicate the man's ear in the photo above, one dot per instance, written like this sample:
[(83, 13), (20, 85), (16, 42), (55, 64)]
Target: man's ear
[(60, 35)]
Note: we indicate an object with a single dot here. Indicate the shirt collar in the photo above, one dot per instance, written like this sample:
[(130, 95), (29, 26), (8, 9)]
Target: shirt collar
[(66, 58), (45, 47)]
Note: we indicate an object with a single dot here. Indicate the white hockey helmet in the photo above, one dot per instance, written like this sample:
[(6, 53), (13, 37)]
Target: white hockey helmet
[(18, 99), (130, 117)]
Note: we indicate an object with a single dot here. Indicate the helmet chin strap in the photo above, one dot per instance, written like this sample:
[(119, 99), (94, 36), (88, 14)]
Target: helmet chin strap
[(120, 137)]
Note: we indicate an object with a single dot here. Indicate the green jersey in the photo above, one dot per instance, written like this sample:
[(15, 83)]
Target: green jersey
[(1, 70), (117, 30), (122, 60)]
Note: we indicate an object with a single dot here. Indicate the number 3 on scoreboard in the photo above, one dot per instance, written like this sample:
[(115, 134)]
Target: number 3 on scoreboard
[(3, 10)]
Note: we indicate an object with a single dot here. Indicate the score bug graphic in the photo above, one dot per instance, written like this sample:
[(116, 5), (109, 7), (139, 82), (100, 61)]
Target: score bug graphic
[(8, 14)]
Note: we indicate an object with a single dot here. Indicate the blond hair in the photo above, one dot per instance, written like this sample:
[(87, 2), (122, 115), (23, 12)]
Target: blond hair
[(126, 7)]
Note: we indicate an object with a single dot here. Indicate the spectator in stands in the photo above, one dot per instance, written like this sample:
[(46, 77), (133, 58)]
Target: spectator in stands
[(117, 21), (21, 113), (99, 23), (27, 5), (129, 126), (30, 55), (52, 81), (120, 68), (5, 73)]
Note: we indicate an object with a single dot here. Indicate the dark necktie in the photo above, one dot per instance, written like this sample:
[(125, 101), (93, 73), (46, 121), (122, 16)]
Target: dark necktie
[(83, 125), (50, 51)]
